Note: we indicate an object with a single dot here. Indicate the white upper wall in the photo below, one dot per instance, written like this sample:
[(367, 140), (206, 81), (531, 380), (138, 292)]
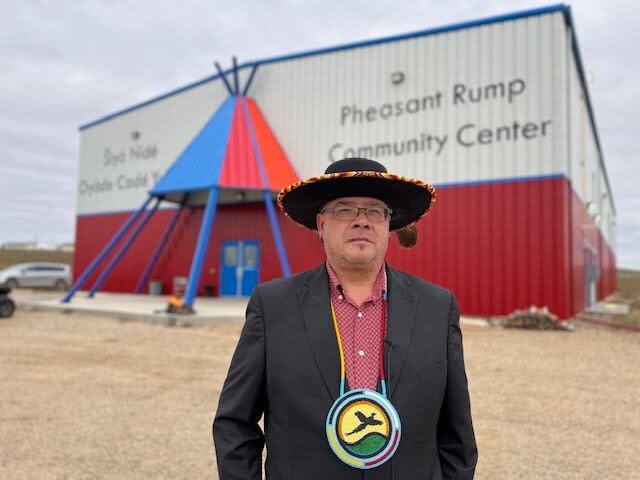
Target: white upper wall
[(117, 170), (585, 166), (476, 104)]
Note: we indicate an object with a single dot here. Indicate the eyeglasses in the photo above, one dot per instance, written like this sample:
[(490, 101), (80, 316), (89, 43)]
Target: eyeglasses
[(347, 212)]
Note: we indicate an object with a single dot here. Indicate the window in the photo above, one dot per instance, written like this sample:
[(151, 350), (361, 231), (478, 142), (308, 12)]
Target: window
[(230, 255), (250, 254)]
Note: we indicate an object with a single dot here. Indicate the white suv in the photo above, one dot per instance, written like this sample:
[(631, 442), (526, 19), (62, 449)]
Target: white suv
[(36, 275)]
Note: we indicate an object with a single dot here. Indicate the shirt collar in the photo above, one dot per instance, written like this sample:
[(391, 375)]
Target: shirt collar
[(379, 286)]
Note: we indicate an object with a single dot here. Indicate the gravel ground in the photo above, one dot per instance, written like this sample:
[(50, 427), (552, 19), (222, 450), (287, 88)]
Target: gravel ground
[(88, 398)]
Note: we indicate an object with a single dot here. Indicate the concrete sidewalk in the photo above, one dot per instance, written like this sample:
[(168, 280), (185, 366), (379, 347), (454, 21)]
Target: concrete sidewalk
[(150, 309), (147, 308)]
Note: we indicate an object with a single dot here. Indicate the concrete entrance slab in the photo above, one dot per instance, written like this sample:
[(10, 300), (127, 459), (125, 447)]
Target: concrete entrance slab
[(151, 309), (609, 308)]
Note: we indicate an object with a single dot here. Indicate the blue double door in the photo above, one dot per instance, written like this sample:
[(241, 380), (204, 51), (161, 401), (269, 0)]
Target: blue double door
[(240, 268)]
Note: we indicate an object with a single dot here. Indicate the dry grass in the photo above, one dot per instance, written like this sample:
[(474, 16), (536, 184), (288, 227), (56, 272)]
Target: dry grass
[(87, 398), (628, 292), (11, 257)]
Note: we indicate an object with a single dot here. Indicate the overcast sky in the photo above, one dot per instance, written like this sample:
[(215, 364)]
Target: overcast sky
[(65, 63)]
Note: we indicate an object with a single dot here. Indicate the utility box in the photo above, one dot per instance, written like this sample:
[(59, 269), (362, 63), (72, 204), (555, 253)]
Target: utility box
[(155, 288), (179, 286)]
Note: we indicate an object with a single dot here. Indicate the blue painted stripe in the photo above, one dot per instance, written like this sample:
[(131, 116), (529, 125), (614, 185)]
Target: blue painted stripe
[(173, 207), (533, 178), (200, 164), (420, 33), (495, 181), (120, 212), (349, 46)]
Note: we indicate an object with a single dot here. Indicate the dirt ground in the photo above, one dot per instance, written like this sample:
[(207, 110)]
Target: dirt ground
[(86, 398)]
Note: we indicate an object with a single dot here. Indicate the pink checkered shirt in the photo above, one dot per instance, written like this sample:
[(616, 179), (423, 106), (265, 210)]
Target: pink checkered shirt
[(360, 330)]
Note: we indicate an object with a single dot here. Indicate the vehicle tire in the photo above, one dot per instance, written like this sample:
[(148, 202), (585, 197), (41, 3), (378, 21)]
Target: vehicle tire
[(61, 285), (12, 283), (7, 307)]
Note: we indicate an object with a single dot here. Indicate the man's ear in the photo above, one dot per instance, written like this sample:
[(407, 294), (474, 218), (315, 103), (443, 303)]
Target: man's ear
[(320, 225)]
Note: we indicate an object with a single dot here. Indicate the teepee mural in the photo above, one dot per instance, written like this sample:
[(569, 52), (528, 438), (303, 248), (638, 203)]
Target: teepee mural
[(234, 154)]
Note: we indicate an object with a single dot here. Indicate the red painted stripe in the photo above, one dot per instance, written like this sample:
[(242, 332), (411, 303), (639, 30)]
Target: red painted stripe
[(240, 168)]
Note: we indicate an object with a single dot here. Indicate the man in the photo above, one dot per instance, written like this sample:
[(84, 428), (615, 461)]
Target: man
[(357, 368)]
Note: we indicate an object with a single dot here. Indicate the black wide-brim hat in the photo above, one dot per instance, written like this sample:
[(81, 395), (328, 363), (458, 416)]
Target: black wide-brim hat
[(409, 198)]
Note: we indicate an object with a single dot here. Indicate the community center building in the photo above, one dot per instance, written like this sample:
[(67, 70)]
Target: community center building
[(495, 113)]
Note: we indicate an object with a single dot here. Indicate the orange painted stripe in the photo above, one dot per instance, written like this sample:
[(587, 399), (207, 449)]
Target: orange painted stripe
[(280, 173)]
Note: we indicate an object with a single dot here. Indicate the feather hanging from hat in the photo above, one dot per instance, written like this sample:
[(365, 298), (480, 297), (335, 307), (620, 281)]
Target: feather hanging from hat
[(408, 236)]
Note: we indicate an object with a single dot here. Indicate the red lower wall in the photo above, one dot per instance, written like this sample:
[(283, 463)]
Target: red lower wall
[(586, 235), (247, 222), (498, 246)]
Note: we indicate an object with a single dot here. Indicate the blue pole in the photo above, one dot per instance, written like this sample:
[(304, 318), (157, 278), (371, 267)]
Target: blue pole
[(103, 254), (253, 72), (277, 235), (160, 247), (275, 227), (201, 248), (224, 79), (125, 246), (235, 75)]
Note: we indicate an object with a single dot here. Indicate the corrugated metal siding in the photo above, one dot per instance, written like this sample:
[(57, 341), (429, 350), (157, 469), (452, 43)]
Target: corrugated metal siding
[(499, 247), (585, 172), (168, 126), (240, 168), (303, 98), (496, 246), (585, 234), (248, 222)]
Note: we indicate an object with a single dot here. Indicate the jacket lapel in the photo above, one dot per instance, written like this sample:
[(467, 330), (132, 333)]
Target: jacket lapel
[(313, 295), (400, 319)]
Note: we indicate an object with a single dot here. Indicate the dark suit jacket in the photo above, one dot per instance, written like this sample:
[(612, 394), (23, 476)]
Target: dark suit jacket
[(287, 366)]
